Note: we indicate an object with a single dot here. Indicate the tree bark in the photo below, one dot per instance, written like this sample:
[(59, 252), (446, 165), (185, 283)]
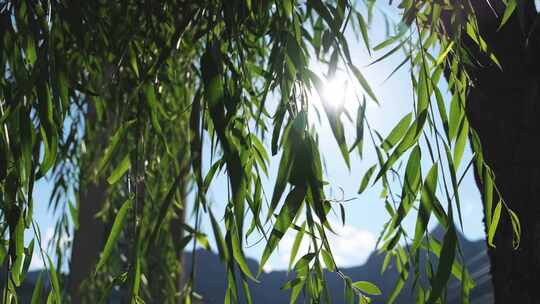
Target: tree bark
[(503, 106), (88, 239)]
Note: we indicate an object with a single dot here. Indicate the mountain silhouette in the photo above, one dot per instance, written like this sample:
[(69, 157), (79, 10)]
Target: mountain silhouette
[(210, 278)]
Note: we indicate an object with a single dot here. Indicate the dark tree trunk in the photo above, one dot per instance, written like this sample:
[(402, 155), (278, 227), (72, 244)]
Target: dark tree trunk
[(88, 239), (504, 108)]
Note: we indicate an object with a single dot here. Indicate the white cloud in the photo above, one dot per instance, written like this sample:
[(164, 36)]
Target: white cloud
[(351, 246), (267, 268)]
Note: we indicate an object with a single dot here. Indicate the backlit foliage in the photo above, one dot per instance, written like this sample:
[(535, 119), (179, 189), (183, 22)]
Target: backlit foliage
[(135, 94)]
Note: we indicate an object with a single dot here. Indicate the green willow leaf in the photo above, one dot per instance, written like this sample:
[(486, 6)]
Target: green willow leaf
[(117, 138), (367, 287), (120, 170), (458, 270), (328, 261), (284, 171), (221, 245), (38, 289), (364, 31), (510, 7), (296, 245), (334, 119), (403, 271), (360, 119), (363, 82), (202, 240), (348, 292), (115, 233), (288, 212), (16, 268), (238, 256), (427, 201), (389, 53), (410, 138), (444, 53), (461, 141), (487, 181), (151, 100), (516, 228), (366, 179), (412, 181), (456, 115), (56, 291), (28, 254), (494, 223), (323, 11), (444, 268), (397, 132), (390, 40)]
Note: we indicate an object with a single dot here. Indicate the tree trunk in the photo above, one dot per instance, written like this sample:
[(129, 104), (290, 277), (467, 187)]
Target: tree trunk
[(504, 109), (88, 239)]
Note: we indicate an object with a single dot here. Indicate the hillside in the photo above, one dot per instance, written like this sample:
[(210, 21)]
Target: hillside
[(210, 279)]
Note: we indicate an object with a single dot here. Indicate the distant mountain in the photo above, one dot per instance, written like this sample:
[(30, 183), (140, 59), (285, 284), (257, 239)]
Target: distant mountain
[(210, 278)]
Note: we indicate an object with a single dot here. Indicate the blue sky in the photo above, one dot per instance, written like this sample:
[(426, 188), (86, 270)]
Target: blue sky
[(365, 213)]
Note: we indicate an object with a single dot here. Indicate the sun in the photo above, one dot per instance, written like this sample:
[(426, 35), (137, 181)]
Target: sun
[(339, 91)]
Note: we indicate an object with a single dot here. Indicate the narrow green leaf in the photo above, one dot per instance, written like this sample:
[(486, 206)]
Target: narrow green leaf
[(202, 240), (366, 179), (412, 181), (444, 267), (488, 193), (427, 200), (296, 245), (152, 102), (364, 31), (410, 138), (443, 55), (494, 223), (461, 142), (360, 118), (403, 270), (115, 233), (284, 171), (54, 281), (397, 132), (120, 170), (238, 256), (390, 40), (363, 82), (510, 7), (38, 288), (367, 287), (221, 245), (286, 215), (389, 53), (328, 261), (113, 145), (516, 228)]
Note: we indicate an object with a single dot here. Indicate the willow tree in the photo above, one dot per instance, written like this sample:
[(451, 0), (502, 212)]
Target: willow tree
[(501, 105), (178, 84)]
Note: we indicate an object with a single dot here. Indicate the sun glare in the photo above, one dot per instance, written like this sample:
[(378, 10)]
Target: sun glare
[(338, 92)]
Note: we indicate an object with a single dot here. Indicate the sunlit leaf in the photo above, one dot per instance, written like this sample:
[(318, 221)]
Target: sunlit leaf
[(494, 223), (114, 234), (367, 287), (286, 215)]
